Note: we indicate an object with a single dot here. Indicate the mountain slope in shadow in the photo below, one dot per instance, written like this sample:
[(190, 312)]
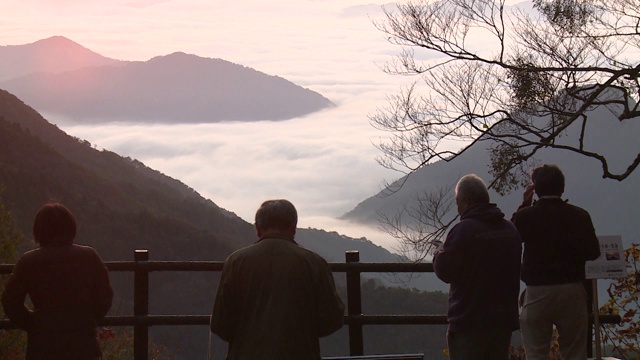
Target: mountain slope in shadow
[(613, 205), (122, 205)]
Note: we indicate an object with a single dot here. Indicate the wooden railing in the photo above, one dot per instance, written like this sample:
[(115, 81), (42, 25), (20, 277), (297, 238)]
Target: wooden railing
[(355, 320)]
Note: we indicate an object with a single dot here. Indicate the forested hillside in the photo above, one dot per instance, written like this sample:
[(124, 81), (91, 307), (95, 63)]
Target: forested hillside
[(122, 205)]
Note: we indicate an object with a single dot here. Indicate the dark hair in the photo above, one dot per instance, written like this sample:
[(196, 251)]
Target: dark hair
[(472, 190), (548, 180), (54, 225), (277, 214)]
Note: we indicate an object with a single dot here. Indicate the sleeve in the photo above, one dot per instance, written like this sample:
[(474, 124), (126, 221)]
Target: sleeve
[(222, 315), (102, 294), (514, 216), (591, 243), (448, 262), (330, 313), (14, 296), (516, 220)]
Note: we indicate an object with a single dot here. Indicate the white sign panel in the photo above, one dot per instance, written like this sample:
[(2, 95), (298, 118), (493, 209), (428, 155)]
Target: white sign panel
[(611, 263)]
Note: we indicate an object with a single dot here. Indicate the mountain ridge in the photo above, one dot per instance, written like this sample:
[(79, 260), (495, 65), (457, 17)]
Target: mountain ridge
[(54, 54), (173, 88), (611, 203)]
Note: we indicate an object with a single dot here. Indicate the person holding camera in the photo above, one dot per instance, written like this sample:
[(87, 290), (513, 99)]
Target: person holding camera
[(558, 239)]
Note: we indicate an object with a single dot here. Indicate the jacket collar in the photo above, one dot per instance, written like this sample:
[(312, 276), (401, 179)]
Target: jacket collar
[(276, 237)]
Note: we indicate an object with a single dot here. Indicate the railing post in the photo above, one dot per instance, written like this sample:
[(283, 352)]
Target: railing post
[(140, 306), (591, 286), (354, 305)]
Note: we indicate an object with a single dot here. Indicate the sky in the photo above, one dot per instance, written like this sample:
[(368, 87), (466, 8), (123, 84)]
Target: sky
[(324, 163)]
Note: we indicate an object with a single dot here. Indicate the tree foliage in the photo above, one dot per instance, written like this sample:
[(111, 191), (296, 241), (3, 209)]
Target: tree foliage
[(624, 300), (10, 236), (521, 79), (118, 345), (12, 343)]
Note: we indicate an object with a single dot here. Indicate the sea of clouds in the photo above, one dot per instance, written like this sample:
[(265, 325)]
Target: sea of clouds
[(324, 162)]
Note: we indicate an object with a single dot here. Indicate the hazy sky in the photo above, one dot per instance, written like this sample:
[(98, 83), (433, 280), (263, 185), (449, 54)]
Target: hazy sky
[(324, 163)]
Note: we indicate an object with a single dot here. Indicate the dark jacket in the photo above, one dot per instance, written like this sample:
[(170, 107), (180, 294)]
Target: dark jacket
[(70, 291), (558, 239), (480, 259), (275, 300)]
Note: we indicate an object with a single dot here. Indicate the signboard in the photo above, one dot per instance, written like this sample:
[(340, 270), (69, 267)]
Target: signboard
[(611, 263)]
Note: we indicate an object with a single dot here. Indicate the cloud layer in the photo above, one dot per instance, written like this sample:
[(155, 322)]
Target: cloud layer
[(324, 163)]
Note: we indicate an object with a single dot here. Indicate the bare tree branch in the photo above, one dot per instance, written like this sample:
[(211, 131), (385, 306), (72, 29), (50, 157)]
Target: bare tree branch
[(531, 84)]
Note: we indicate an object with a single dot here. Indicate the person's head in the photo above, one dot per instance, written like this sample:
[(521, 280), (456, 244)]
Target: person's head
[(548, 180), (470, 190), (54, 225), (277, 217)]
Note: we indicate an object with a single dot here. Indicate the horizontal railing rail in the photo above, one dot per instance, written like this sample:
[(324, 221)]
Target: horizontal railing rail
[(141, 320)]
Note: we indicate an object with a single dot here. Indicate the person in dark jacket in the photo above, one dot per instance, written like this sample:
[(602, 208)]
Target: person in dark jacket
[(480, 259), (68, 285), (275, 298), (558, 239)]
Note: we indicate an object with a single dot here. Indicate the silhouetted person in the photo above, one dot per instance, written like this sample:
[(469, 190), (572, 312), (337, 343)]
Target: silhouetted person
[(275, 298), (68, 285), (558, 239), (480, 259)]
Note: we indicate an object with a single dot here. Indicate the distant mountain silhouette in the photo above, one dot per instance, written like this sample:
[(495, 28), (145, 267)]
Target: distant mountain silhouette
[(613, 205), (122, 205), (60, 77), (53, 55)]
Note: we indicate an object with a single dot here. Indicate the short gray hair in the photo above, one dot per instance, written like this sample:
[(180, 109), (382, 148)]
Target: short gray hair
[(471, 189), (276, 214)]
